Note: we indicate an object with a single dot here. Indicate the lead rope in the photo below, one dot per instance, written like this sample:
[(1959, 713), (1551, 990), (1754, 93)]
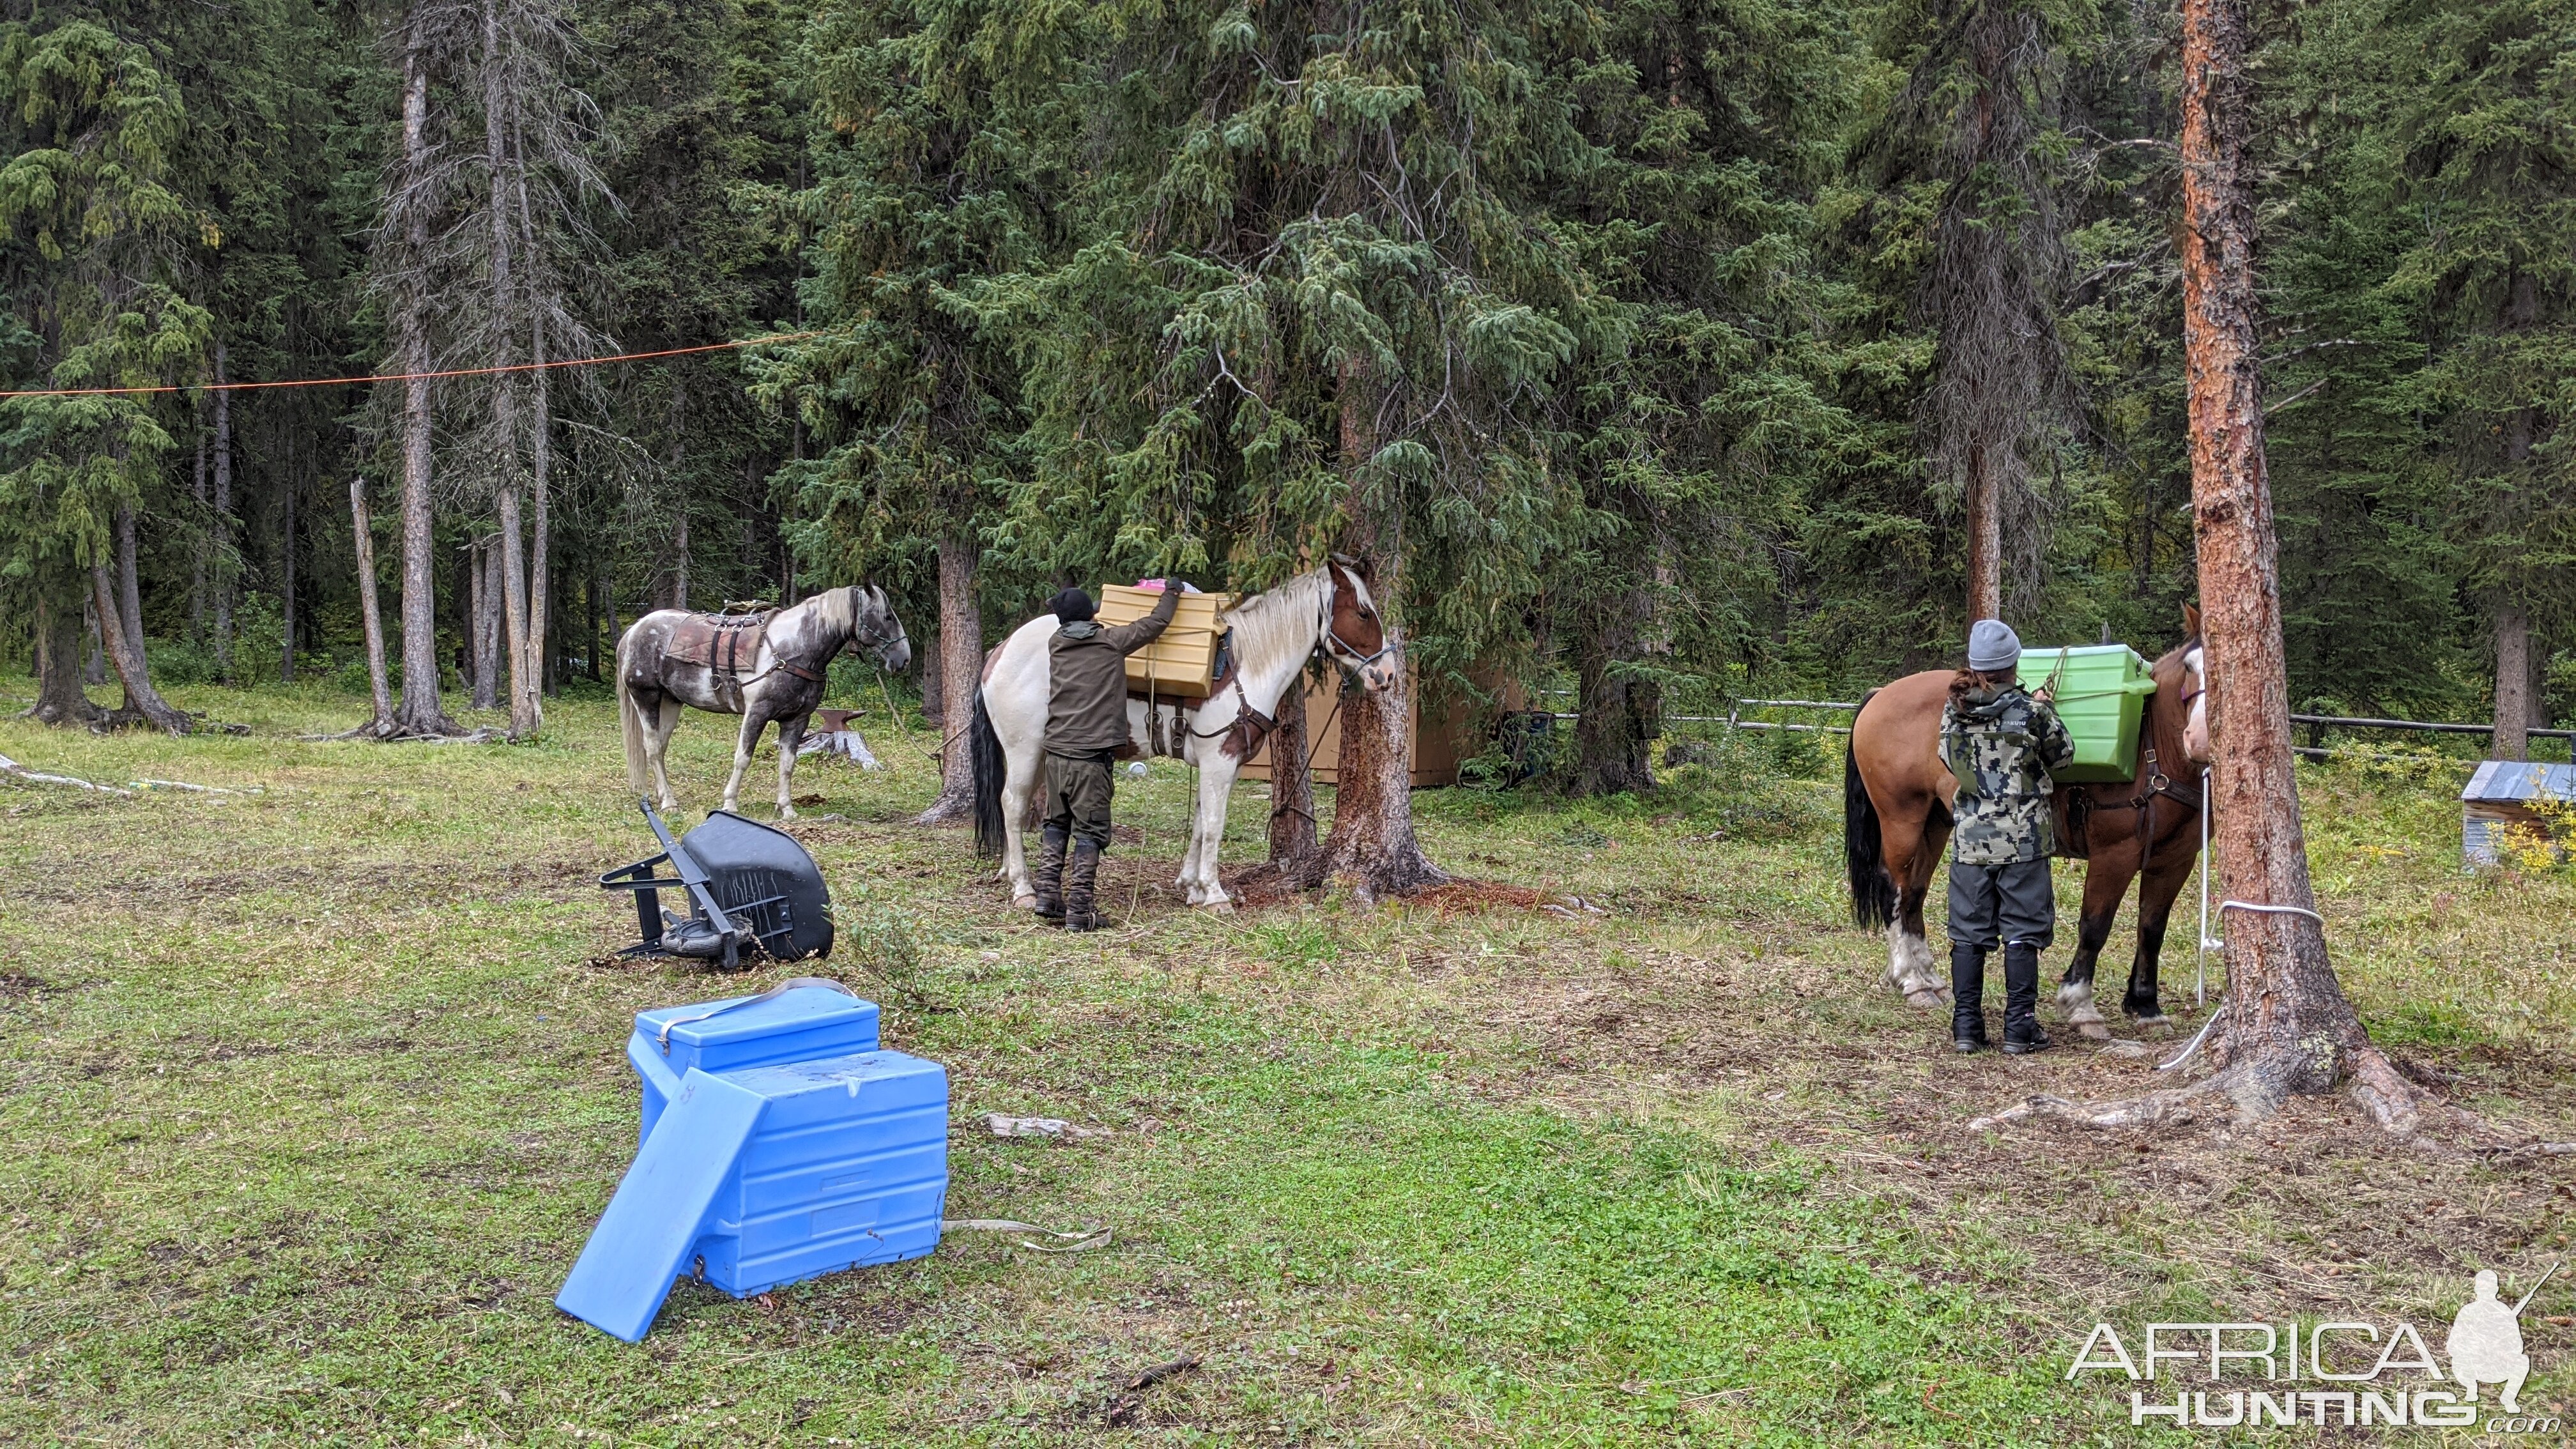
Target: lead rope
[(1076, 1242)]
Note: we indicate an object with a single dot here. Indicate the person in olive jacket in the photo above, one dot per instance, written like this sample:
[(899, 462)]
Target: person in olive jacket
[(1086, 727)]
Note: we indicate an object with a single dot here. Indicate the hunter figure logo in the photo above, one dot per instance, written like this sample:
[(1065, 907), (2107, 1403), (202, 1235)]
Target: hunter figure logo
[(2364, 1375), (2486, 1343)]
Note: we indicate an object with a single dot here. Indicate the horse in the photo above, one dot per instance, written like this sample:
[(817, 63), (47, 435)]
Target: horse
[(1896, 821), (1270, 636), (766, 666)]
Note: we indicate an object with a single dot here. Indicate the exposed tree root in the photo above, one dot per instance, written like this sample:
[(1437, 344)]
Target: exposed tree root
[(2255, 1089), (391, 733)]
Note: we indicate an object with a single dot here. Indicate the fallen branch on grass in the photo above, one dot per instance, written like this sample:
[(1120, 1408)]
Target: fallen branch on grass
[(12, 767)]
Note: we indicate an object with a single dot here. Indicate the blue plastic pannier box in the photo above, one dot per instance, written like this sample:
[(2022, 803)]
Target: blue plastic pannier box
[(779, 1143)]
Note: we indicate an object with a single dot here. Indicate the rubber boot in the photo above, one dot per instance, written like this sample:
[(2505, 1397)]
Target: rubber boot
[(1967, 997), (2022, 1035), (1081, 876), (1051, 875)]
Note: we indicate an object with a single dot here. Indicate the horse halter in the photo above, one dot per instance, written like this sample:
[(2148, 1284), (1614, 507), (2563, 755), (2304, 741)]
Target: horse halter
[(874, 640), (1338, 647), (2199, 672)]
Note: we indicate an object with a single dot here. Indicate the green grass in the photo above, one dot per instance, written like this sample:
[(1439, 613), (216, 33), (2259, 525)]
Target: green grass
[(313, 1091)]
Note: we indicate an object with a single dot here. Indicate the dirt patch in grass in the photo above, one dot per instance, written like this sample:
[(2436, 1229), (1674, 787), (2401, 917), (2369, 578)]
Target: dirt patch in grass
[(2314, 1212)]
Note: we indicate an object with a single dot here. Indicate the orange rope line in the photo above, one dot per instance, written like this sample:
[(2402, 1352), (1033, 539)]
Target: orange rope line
[(410, 376)]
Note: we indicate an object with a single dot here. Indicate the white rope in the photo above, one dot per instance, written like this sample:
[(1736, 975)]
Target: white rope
[(2273, 910), (1081, 1242)]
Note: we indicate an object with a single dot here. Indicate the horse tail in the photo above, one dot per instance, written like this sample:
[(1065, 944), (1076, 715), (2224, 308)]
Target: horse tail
[(630, 719), (1873, 893), (984, 754)]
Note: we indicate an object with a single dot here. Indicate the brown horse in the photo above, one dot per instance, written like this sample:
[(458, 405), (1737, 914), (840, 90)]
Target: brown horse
[(1896, 822)]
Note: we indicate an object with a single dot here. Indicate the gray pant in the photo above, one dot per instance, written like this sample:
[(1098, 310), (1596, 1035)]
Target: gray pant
[(1078, 793), (1991, 905)]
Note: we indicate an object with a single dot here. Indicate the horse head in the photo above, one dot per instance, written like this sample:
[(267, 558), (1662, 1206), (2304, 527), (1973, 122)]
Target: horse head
[(874, 628), (1354, 634), (2191, 669)]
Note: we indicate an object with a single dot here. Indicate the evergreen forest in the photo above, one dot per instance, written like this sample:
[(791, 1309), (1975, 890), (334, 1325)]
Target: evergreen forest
[(1658, 352)]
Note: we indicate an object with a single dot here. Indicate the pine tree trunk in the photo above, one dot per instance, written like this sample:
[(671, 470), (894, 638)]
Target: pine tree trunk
[(680, 563), (515, 630), (2514, 714), (125, 656), (1617, 717), (487, 625), (60, 700), (94, 668), (129, 588), (541, 591), (1985, 539), (1292, 783), (223, 520), (422, 713), (961, 670), (361, 532), (520, 629), (2287, 1027), (197, 566), (1372, 844), (469, 625), (286, 570)]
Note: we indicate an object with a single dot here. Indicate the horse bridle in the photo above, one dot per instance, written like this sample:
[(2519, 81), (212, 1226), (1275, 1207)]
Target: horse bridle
[(881, 642), (1338, 647), (2160, 783)]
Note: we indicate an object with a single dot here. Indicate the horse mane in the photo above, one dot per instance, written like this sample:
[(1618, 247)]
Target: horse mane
[(1277, 622)]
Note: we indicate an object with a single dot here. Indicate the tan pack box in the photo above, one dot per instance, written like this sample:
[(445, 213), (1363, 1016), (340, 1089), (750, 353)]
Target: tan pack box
[(1181, 664)]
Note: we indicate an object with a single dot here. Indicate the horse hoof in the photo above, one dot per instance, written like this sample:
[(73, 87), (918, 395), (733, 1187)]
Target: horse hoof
[(2093, 1030), (1925, 997), (786, 812), (1027, 902), (2084, 1015), (2159, 1019), (1220, 903)]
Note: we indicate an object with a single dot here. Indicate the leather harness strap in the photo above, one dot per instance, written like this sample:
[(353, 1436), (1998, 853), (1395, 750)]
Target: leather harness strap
[(2144, 802)]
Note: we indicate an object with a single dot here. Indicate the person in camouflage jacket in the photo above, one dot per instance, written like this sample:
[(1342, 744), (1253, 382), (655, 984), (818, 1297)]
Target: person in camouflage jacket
[(2003, 745)]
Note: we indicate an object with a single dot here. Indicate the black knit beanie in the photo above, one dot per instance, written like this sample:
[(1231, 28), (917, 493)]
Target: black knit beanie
[(1072, 606)]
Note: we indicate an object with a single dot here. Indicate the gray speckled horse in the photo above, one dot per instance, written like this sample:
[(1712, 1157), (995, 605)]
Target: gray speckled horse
[(763, 667)]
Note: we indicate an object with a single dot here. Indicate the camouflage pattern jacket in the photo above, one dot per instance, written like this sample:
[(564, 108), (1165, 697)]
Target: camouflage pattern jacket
[(2003, 746)]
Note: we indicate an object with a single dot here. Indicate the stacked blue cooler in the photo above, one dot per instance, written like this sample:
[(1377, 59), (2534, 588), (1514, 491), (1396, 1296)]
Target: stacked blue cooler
[(778, 1143)]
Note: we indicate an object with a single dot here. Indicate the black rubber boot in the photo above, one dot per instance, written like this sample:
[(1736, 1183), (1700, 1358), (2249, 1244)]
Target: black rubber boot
[(1081, 876), (2022, 1035), (1051, 875), (1967, 997)]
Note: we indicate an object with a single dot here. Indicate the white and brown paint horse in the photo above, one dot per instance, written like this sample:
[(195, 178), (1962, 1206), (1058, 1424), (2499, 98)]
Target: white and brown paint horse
[(764, 667), (1274, 633), (1896, 822)]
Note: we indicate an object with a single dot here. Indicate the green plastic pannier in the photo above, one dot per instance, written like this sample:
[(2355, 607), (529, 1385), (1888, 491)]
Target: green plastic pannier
[(2102, 693)]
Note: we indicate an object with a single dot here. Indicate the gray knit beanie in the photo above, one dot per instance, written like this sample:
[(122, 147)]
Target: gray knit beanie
[(1993, 648)]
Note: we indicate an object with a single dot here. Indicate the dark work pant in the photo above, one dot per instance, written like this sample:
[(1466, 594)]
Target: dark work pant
[(1994, 905), (1078, 792)]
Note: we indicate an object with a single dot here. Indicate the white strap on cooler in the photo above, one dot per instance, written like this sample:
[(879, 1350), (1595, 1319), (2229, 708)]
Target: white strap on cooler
[(792, 983)]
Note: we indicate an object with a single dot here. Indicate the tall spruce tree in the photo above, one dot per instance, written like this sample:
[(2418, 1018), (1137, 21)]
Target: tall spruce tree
[(947, 159), (93, 238), (1972, 153)]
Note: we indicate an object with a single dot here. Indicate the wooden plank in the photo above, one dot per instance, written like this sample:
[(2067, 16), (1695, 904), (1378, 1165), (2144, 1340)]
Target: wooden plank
[(1432, 752)]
